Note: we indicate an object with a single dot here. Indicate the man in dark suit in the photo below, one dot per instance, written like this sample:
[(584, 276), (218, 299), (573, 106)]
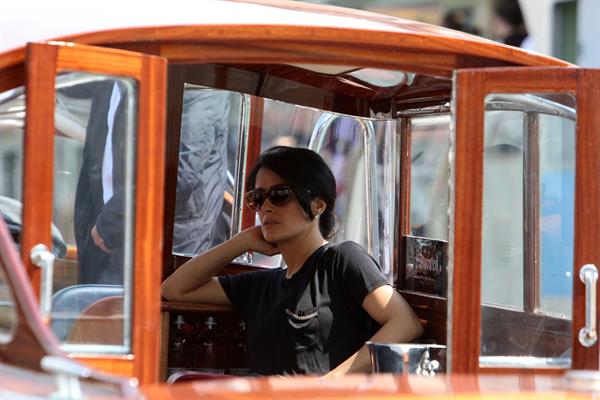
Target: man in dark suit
[(99, 216)]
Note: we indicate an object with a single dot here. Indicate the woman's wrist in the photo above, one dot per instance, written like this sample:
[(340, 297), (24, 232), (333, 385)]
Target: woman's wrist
[(240, 243)]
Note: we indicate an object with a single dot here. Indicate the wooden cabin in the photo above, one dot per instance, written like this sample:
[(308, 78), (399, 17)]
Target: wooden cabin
[(465, 167)]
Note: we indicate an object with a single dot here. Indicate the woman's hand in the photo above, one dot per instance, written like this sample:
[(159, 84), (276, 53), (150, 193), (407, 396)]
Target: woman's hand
[(253, 240)]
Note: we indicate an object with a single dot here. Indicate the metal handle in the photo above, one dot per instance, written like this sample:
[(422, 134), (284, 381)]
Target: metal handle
[(588, 335), (43, 258)]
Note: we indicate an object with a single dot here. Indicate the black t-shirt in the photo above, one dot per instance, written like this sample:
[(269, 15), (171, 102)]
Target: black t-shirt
[(311, 322)]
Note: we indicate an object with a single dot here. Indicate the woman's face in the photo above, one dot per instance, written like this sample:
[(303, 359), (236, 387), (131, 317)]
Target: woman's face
[(280, 224)]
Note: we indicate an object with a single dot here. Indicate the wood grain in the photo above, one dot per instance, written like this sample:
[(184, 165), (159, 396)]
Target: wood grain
[(44, 62), (587, 208), (38, 161), (471, 87)]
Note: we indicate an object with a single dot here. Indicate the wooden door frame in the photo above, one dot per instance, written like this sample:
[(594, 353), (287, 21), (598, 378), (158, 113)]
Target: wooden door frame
[(470, 88), (44, 61)]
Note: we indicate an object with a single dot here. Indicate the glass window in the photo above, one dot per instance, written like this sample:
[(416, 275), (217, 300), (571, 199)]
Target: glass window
[(8, 315), (93, 211), (429, 190), (502, 245), (361, 154), (12, 124), (210, 131), (527, 237), (556, 218)]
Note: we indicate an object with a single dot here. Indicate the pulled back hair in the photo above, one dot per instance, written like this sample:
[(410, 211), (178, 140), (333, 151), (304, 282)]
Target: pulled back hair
[(307, 175)]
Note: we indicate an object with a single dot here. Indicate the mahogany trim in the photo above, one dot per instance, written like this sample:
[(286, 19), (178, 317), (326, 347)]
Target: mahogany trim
[(44, 62), (452, 49), (257, 106), (467, 222), (38, 154), (176, 79), (149, 215), (12, 77), (587, 207), (404, 194), (470, 89), (167, 306)]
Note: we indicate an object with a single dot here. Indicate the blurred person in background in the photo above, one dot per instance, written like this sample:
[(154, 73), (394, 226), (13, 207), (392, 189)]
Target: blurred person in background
[(509, 25), (459, 20)]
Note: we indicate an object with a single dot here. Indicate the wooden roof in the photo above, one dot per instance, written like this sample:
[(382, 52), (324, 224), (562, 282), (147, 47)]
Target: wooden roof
[(290, 29)]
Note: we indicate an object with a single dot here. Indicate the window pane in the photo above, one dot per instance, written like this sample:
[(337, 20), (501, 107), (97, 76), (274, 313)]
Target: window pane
[(93, 211), (342, 141), (210, 128), (502, 235), (429, 169), (12, 123), (557, 190), (8, 315), (284, 124), (528, 201)]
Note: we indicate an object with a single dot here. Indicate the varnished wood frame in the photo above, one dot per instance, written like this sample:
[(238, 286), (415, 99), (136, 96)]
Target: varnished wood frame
[(405, 134), (44, 61), (470, 88)]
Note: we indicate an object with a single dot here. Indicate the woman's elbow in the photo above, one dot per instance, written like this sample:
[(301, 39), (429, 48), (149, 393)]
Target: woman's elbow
[(167, 292), (417, 328), (411, 328)]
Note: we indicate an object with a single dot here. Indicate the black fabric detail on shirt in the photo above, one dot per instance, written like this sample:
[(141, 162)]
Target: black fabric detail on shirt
[(313, 321)]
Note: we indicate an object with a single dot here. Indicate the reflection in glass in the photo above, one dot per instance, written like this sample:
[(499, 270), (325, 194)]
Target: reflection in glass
[(429, 169), (12, 124), (8, 315), (527, 237), (210, 129), (557, 190), (502, 235), (93, 185), (343, 144)]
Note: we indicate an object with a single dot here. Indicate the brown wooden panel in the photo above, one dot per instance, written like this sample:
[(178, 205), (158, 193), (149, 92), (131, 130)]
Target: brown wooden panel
[(177, 79), (97, 59), (466, 262), (471, 87), (587, 207), (196, 307), (432, 312), (528, 80), (404, 194), (43, 63), (120, 365), (399, 34), (38, 154), (165, 323), (12, 77), (253, 151), (149, 204), (530, 334)]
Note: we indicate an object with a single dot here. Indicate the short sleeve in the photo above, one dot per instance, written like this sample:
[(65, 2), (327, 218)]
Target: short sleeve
[(360, 272), (237, 288)]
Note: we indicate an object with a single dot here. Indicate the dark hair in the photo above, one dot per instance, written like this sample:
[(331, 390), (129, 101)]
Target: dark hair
[(510, 11), (308, 176)]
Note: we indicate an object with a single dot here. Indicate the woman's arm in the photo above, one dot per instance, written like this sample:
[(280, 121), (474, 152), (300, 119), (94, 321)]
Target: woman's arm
[(195, 280), (398, 324)]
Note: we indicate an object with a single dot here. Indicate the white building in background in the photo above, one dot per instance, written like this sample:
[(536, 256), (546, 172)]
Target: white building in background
[(568, 29)]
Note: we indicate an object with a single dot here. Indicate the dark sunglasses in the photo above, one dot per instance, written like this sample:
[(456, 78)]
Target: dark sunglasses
[(278, 195)]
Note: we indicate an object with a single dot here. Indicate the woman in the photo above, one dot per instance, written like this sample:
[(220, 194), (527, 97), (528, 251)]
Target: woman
[(315, 315)]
